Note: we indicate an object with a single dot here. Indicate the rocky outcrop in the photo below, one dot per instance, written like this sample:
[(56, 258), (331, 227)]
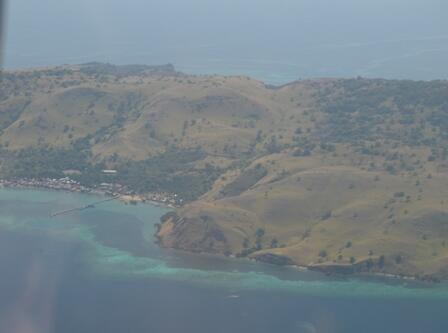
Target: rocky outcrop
[(192, 234), (274, 259)]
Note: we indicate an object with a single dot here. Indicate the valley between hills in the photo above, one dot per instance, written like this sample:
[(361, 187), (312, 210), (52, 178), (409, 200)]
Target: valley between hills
[(338, 175)]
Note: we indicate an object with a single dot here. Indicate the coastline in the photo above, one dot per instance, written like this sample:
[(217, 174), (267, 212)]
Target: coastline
[(382, 275), (367, 276), (109, 190), (353, 272)]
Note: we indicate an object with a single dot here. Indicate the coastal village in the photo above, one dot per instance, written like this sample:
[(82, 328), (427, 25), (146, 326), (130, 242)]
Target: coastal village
[(107, 189)]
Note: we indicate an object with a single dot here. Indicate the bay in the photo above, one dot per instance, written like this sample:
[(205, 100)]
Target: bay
[(99, 270)]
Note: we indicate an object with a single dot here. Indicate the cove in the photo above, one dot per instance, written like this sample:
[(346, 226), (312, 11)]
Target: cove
[(99, 270)]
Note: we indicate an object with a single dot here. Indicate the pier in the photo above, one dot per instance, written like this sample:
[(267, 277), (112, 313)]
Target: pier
[(76, 209)]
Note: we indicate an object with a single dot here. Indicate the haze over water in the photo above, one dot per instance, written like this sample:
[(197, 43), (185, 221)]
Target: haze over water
[(275, 41), (99, 270)]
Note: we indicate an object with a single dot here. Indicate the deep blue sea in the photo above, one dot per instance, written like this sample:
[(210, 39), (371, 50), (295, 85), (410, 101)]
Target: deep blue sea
[(99, 270)]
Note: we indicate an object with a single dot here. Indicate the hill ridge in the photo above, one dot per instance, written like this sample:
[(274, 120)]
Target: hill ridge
[(333, 174)]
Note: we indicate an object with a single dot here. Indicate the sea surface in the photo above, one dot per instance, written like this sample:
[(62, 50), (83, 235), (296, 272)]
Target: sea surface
[(98, 270), (273, 41)]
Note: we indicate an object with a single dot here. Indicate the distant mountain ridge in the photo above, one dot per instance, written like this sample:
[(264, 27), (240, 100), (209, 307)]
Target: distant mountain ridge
[(98, 68)]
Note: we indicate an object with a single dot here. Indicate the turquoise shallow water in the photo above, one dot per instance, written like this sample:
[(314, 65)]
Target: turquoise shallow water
[(111, 248)]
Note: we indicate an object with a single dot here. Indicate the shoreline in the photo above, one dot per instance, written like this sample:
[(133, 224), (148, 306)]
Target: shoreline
[(359, 275), (330, 272), (368, 277), (70, 186)]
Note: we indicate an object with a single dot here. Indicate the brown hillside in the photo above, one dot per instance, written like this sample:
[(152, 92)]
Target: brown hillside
[(339, 175)]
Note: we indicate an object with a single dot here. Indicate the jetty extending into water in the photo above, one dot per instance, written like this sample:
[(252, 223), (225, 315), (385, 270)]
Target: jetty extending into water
[(92, 205)]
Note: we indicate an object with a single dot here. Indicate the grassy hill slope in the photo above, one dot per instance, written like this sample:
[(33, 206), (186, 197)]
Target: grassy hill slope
[(337, 175)]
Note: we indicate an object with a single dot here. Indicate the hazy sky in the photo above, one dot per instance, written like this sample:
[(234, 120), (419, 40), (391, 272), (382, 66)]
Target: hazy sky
[(55, 31), (357, 20)]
